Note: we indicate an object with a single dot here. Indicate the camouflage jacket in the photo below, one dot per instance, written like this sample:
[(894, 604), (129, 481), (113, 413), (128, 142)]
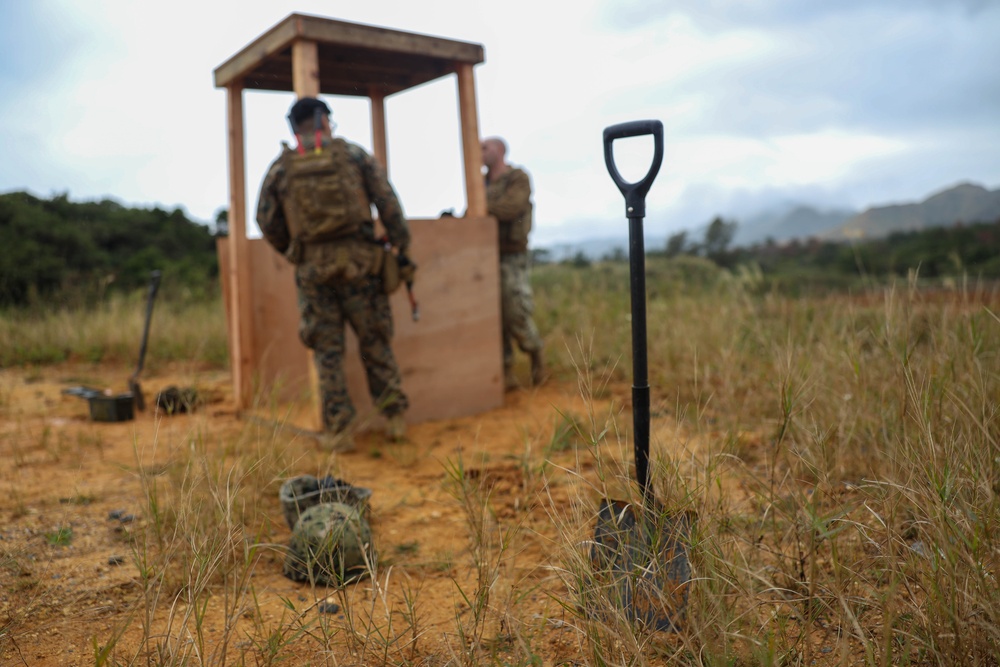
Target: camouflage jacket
[(508, 199), (271, 214)]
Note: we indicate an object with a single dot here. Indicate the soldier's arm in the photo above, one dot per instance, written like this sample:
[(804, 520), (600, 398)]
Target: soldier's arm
[(381, 193), (270, 213), (514, 200)]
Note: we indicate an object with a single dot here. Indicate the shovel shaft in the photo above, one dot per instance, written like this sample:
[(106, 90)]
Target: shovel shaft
[(640, 371), (635, 211)]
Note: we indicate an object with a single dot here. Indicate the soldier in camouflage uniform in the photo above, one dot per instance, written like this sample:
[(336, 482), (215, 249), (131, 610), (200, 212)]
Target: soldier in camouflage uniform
[(315, 208), (508, 199)]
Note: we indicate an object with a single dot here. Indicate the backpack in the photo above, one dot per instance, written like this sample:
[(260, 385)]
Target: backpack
[(324, 196)]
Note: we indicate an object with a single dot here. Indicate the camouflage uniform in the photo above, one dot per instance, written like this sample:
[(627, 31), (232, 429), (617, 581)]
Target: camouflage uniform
[(336, 284), (508, 199)]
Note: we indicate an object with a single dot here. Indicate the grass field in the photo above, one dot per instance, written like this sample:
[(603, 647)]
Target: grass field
[(841, 454)]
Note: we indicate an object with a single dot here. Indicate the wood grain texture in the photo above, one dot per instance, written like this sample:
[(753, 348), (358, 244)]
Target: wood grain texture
[(305, 69), (472, 154), (241, 339), (352, 57), (451, 359)]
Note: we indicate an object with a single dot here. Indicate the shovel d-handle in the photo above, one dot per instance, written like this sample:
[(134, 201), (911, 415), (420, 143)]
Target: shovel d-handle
[(635, 193), (635, 210)]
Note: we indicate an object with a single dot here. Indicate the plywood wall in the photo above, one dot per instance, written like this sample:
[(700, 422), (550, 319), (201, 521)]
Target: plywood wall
[(451, 359)]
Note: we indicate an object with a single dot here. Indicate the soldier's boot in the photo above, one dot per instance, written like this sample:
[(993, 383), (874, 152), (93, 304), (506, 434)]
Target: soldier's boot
[(339, 441), (510, 382), (395, 428), (538, 373)]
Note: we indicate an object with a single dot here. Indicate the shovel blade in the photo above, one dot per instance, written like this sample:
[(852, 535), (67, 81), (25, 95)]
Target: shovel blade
[(640, 563)]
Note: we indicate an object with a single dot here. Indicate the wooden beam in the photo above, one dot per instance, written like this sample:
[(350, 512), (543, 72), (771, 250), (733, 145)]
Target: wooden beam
[(254, 53), (472, 153), (362, 36), (355, 37), (378, 126), (305, 69), (241, 352), (305, 83)]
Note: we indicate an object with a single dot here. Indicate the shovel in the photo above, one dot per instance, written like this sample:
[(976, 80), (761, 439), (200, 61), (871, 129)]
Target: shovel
[(133, 381), (639, 553)]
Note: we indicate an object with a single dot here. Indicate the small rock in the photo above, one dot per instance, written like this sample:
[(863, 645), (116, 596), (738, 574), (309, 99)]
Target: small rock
[(329, 607), (116, 560), (114, 515)]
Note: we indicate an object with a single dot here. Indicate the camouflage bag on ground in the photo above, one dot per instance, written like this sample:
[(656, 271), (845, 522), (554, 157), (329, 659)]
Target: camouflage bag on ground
[(324, 196), (331, 545)]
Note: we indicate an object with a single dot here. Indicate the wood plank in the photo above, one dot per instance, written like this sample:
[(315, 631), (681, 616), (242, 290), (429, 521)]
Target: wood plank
[(385, 39), (390, 52), (272, 41), (451, 360), (305, 69), (241, 348), (352, 75), (472, 152), (305, 81)]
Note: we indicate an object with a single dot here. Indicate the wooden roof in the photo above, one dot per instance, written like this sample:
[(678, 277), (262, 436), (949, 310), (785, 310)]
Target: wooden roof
[(354, 59)]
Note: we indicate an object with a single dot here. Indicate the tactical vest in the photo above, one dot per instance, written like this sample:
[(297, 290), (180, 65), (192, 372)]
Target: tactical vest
[(324, 195), (513, 233)]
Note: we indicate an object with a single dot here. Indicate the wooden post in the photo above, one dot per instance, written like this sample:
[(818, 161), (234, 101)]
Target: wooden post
[(305, 81), (378, 126), (475, 189), (305, 69), (241, 352)]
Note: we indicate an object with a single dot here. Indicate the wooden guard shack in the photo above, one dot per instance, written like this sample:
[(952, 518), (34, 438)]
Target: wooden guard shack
[(451, 359)]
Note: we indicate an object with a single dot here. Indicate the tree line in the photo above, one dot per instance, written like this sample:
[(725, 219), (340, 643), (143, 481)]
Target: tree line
[(58, 249), (938, 252)]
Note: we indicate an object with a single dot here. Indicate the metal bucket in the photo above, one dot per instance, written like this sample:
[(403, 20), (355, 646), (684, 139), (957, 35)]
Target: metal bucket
[(104, 407)]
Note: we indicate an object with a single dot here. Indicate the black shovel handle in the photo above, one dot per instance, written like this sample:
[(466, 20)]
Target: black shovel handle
[(635, 193), (635, 210)]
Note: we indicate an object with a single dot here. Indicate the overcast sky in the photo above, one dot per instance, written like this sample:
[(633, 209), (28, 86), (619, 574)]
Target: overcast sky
[(850, 103)]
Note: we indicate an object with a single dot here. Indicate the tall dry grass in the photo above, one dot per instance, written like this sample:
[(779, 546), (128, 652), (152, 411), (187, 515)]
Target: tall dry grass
[(840, 454), (180, 329)]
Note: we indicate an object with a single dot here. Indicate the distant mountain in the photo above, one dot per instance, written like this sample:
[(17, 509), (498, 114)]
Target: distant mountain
[(797, 222), (965, 202)]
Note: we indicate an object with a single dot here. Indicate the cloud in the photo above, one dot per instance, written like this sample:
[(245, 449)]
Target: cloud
[(856, 100)]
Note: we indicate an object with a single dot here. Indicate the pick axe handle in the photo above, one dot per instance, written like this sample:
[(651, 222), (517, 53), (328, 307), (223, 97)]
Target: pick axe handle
[(154, 286)]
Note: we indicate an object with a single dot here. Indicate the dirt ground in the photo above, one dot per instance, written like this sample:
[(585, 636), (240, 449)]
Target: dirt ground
[(71, 487)]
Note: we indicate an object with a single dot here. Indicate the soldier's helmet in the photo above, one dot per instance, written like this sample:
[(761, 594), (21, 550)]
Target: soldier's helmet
[(306, 109), (331, 545)]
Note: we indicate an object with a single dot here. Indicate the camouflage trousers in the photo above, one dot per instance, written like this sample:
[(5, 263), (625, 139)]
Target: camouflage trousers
[(324, 309), (516, 307)]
